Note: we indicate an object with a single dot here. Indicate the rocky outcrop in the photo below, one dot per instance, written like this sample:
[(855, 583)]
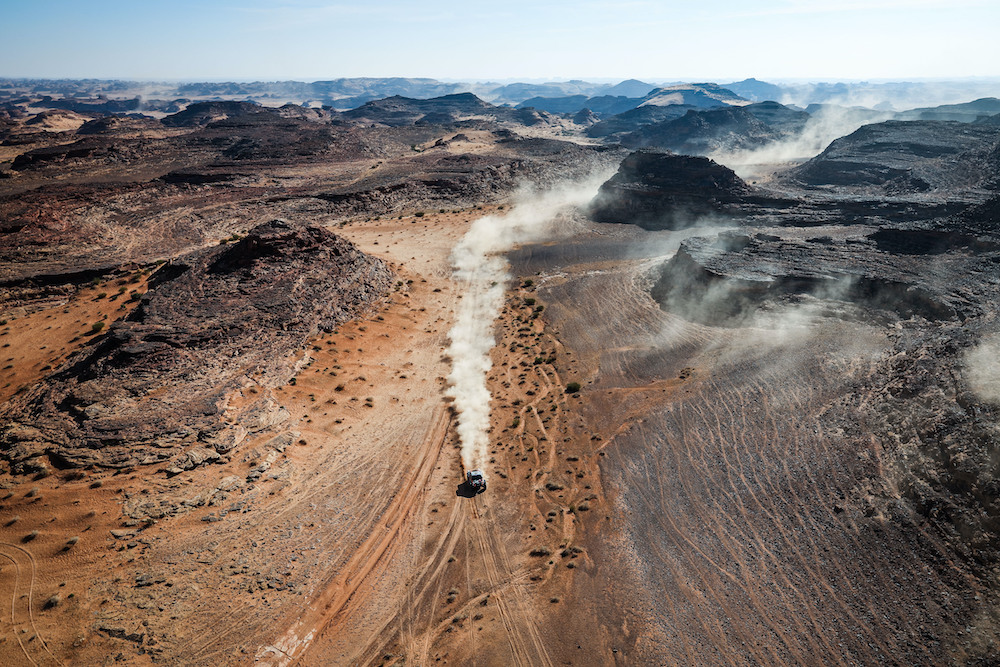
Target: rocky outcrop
[(778, 117), (704, 132), (156, 385), (398, 111), (898, 157), (727, 280), (629, 121), (203, 113), (666, 191)]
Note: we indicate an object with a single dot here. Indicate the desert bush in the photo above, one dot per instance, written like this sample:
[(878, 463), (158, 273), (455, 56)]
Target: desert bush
[(572, 387), (540, 552), (96, 327)]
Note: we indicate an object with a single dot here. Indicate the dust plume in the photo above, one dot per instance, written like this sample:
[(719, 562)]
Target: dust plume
[(480, 269), (982, 369), (822, 127)]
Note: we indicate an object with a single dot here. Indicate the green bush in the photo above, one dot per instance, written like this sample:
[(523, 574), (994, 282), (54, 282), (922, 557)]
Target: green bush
[(572, 387), (96, 327)]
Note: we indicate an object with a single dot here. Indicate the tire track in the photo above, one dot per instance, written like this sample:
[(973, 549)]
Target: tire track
[(332, 603), (502, 580), (33, 566)]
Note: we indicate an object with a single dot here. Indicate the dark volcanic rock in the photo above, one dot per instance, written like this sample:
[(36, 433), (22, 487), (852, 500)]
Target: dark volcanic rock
[(965, 112), (398, 111), (906, 156), (203, 113), (629, 121), (727, 280), (83, 148), (778, 117), (704, 132), (212, 322), (664, 191), (116, 125), (585, 117)]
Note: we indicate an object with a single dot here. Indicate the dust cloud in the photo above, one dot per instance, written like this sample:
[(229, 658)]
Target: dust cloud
[(481, 271), (982, 369), (822, 127)]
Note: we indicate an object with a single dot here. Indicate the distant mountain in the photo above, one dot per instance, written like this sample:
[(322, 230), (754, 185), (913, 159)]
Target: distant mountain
[(755, 90), (603, 104), (515, 93), (329, 91), (397, 110), (633, 119), (630, 88), (568, 104), (967, 112), (779, 117), (702, 95), (704, 132)]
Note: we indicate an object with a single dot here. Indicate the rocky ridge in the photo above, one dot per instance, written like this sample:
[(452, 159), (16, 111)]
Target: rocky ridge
[(155, 387)]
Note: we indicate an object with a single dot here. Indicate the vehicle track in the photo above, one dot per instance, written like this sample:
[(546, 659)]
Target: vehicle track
[(6, 550), (333, 603)]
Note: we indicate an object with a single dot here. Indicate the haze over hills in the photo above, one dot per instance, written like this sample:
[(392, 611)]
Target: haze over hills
[(349, 93)]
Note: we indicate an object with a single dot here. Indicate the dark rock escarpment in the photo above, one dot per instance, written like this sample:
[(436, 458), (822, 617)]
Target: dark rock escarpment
[(665, 191), (728, 279), (156, 385), (898, 157), (703, 132)]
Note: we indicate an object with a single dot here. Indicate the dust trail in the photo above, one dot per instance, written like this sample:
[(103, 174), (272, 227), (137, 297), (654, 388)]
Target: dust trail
[(480, 269)]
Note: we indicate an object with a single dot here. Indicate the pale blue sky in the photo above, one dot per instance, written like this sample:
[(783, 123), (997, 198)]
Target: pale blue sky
[(517, 39)]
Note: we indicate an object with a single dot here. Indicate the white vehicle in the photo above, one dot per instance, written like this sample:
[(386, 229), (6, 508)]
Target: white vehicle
[(475, 481)]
